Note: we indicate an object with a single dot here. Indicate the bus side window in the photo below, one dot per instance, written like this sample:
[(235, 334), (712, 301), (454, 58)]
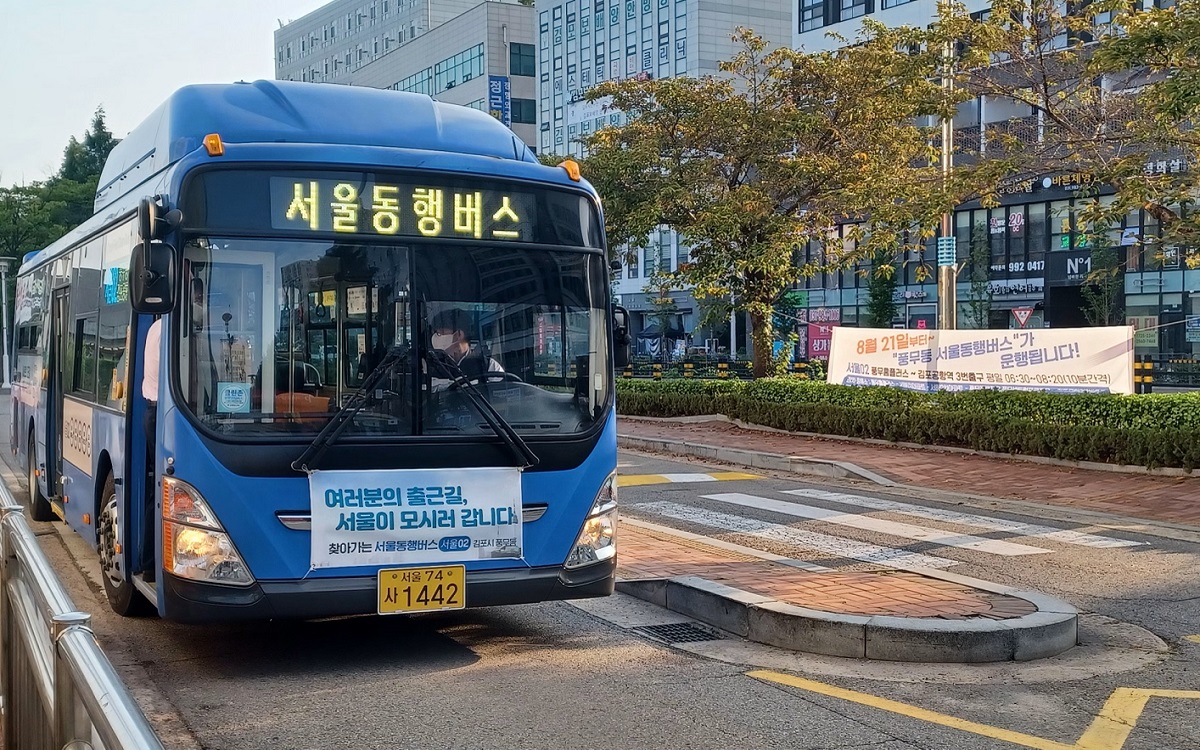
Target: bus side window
[(115, 314)]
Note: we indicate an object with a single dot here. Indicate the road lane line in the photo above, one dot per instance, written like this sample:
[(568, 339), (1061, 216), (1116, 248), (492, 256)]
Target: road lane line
[(966, 519), (916, 712), (774, 532), (638, 480), (879, 525), (1108, 731)]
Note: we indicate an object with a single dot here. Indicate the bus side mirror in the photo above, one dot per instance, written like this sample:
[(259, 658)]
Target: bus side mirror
[(152, 278), (621, 340)]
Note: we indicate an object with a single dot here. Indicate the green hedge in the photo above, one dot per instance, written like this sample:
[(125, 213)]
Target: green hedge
[(1150, 430)]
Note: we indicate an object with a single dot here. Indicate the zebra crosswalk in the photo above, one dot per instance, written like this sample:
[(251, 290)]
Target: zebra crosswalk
[(967, 519), (858, 517)]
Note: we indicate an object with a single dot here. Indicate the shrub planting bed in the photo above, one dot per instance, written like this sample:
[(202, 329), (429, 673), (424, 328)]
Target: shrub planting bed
[(1160, 430)]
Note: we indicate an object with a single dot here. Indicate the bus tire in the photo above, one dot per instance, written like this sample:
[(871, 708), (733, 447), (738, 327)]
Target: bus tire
[(39, 505), (123, 596)]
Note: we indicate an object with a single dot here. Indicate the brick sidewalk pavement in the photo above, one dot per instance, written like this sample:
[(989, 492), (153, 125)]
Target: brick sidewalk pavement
[(1167, 499), (646, 553)]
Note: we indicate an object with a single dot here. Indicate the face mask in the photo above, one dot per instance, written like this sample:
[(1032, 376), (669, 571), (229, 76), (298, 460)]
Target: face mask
[(442, 340)]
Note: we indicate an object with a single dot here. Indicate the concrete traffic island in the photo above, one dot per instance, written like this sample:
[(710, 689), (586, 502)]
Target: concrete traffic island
[(909, 616)]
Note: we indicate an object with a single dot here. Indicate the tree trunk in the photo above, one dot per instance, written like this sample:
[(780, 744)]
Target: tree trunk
[(761, 334)]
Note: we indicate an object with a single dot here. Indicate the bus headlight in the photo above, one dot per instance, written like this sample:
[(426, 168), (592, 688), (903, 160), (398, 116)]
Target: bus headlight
[(597, 541), (195, 545)]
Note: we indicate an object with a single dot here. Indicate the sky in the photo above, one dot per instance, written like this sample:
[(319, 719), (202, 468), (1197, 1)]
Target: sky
[(61, 59)]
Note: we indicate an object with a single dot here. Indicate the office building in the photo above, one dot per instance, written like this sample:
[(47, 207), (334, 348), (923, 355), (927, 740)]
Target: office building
[(1037, 251), (469, 52), (584, 42)]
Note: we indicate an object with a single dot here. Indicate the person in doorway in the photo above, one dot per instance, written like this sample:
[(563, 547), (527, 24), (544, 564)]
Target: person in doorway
[(150, 362), (449, 335), (151, 358)]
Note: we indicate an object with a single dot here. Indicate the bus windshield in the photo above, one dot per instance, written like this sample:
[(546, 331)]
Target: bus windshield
[(276, 335)]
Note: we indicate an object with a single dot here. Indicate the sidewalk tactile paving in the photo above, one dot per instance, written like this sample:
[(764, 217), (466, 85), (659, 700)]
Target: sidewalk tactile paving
[(645, 553), (1156, 498)]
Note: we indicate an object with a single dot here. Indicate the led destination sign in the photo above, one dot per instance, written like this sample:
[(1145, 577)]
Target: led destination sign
[(411, 209)]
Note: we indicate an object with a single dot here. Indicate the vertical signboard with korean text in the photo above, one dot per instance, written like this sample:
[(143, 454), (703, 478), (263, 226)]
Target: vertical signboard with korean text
[(1062, 360), (821, 322), (499, 100)]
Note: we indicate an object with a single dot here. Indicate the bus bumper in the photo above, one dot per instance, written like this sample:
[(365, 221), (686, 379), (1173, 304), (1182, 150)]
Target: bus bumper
[(189, 601)]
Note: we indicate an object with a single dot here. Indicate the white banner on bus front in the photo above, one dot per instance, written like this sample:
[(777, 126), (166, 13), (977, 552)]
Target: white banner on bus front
[(414, 516), (1059, 360)]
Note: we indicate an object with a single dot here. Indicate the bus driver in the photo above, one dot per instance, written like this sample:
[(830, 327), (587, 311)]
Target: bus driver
[(449, 328)]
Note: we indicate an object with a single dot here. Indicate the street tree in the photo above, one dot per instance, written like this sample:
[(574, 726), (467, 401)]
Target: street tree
[(881, 289), (84, 160), (751, 165), (25, 220), (1104, 288), (1094, 89), (979, 298)]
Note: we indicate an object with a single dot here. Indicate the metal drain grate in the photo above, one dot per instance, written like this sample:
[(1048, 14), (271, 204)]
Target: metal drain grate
[(678, 632)]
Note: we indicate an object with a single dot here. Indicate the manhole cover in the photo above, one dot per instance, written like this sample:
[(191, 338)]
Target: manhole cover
[(678, 632)]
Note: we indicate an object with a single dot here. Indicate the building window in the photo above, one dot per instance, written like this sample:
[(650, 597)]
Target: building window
[(812, 14), (853, 9), (893, 3), (524, 111), (454, 70), (418, 83), (521, 60)]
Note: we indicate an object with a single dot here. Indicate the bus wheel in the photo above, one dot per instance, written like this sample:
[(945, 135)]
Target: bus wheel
[(39, 506), (122, 596)]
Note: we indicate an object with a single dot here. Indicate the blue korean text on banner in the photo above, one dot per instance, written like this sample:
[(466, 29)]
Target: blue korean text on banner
[(414, 516), (499, 101)]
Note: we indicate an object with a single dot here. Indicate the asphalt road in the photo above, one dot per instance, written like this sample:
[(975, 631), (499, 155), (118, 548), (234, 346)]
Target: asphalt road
[(559, 675)]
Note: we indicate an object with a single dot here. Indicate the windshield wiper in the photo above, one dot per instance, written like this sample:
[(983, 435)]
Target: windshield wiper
[(346, 413), (520, 449)]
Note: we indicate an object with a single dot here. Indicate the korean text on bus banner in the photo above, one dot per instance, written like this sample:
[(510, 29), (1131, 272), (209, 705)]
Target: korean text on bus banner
[(1060, 360), (413, 516), (401, 209)]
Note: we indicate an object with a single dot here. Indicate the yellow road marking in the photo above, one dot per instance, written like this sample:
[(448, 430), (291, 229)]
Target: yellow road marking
[(1108, 731), (638, 480), (1192, 638)]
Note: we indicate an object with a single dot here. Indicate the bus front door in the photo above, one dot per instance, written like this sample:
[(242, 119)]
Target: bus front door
[(59, 309)]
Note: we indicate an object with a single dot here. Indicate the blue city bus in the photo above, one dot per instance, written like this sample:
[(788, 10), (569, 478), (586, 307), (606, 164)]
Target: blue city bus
[(325, 350)]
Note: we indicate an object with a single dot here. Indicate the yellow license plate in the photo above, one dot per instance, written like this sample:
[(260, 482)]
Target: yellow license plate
[(422, 589)]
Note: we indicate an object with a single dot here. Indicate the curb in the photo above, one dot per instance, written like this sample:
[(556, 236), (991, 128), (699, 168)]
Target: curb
[(756, 459), (1051, 630), (1171, 472)]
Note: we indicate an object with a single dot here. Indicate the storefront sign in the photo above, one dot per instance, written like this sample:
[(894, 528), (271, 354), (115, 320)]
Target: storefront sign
[(1146, 327), (1016, 287), (1069, 268), (1062, 360)]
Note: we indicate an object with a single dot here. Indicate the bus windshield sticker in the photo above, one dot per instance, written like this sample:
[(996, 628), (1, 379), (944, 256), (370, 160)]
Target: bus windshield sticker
[(414, 516), (418, 210), (233, 398)]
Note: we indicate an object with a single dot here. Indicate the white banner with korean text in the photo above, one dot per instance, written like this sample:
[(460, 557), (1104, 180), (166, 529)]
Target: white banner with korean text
[(411, 516), (1059, 360)]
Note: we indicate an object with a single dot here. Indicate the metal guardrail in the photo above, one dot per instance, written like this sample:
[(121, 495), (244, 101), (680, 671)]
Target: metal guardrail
[(703, 370), (59, 689), (1170, 370)]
